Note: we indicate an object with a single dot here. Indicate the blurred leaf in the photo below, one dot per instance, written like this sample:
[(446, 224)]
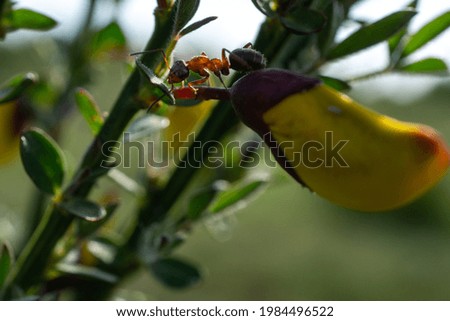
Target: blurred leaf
[(185, 10), (14, 88), (175, 273), (335, 83), (264, 7), (194, 26), (87, 272), (335, 14), (372, 34), (427, 65), (145, 126), (84, 209), (6, 261), (396, 40), (427, 33), (43, 160), (102, 249), (236, 194), (303, 21), (126, 182), (156, 82), (200, 201), (43, 95), (86, 228), (29, 19), (89, 109), (109, 38)]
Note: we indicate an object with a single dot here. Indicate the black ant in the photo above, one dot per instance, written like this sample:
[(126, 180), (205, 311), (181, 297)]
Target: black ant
[(243, 59)]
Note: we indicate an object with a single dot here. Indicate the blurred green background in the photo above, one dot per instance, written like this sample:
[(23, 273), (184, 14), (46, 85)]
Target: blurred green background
[(288, 244)]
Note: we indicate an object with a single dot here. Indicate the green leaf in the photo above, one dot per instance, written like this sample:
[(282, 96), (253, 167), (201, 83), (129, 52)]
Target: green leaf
[(175, 273), (335, 83), (145, 126), (6, 261), (109, 38), (185, 10), (29, 19), (396, 40), (200, 201), (372, 34), (87, 272), (194, 26), (43, 160), (427, 33), (87, 228), (428, 65), (335, 15), (236, 194), (84, 209), (264, 6), (89, 109), (156, 82), (14, 88), (303, 21)]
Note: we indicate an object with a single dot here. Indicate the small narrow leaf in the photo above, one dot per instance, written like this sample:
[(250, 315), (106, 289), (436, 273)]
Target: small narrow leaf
[(87, 272), (372, 34), (155, 81), (145, 126), (194, 26), (175, 273), (29, 19), (89, 109), (14, 88), (427, 33), (235, 195), (6, 261), (397, 39), (110, 38), (200, 201), (87, 228), (264, 6), (84, 209), (43, 160), (185, 10), (428, 65), (303, 21), (335, 83)]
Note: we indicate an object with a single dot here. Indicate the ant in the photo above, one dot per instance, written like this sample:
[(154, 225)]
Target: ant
[(243, 59)]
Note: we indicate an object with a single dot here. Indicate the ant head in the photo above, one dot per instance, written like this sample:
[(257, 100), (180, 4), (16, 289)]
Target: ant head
[(246, 59), (178, 72)]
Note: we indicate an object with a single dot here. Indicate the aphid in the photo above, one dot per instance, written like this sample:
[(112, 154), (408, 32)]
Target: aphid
[(243, 59)]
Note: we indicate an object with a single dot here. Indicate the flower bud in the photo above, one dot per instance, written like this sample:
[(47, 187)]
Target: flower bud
[(341, 150)]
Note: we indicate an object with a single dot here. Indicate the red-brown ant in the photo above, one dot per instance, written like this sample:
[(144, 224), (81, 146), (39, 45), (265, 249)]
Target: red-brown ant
[(243, 59)]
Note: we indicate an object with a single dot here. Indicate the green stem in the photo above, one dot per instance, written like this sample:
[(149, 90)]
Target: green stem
[(33, 261)]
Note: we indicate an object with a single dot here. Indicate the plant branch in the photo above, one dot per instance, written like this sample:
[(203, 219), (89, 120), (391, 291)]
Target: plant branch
[(34, 258)]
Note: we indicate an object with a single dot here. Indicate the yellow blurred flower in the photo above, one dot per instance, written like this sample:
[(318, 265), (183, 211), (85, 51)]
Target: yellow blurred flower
[(184, 121), (9, 132)]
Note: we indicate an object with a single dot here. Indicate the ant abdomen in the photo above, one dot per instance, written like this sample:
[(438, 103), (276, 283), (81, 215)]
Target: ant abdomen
[(246, 59)]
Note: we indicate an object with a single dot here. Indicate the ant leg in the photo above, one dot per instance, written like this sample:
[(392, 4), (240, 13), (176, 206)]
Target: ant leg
[(248, 45), (197, 82), (225, 63), (221, 80)]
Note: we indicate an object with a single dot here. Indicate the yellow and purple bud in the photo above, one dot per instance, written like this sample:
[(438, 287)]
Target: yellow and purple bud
[(339, 149)]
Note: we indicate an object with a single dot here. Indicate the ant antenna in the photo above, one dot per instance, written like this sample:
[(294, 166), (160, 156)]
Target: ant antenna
[(151, 51)]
